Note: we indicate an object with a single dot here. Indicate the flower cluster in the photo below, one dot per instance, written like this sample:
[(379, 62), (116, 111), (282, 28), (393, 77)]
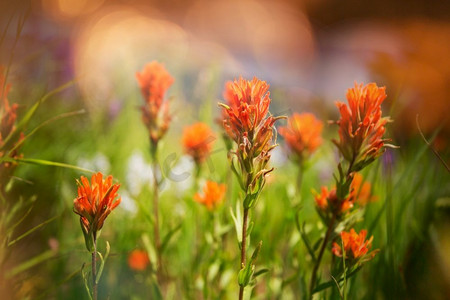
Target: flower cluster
[(197, 141), (355, 245), (361, 126), (94, 203), (247, 122), (154, 80), (213, 194), (302, 134)]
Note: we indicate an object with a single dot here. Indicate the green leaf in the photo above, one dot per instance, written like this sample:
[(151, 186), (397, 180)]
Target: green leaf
[(331, 283), (30, 263), (86, 284), (102, 264), (245, 274), (150, 249), (261, 272), (31, 231), (237, 222), (42, 162), (169, 235)]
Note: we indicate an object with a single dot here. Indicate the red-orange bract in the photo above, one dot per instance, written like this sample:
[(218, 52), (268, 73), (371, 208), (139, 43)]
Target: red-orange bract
[(154, 81), (355, 245), (197, 141), (8, 115), (245, 114), (303, 134), (138, 260), (361, 126), (94, 203), (213, 194)]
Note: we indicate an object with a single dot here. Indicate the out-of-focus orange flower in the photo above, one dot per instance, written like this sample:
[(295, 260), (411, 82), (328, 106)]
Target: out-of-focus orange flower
[(213, 194), (303, 134), (7, 112), (197, 141), (355, 245), (328, 201), (94, 203), (8, 116), (138, 260), (154, 81), (360, 191), (361, 126)]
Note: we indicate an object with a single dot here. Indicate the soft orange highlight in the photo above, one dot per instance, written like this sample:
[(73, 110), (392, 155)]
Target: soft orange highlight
[(302, 134), (213, 194), (138, 260), (197, 141)]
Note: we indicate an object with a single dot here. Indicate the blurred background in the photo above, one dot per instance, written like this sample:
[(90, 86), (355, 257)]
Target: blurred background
[(309, 51)]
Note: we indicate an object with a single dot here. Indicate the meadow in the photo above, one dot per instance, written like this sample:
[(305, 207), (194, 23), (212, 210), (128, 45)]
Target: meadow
[(157, 178)]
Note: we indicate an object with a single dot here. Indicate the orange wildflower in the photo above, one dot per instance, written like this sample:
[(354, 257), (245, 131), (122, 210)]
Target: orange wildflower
[(94, 203), (213, 194), (355, 245), (303, 134), (361, 126), (247, 121), (360, 191), (138, 260), (154, 81), (197, 141)]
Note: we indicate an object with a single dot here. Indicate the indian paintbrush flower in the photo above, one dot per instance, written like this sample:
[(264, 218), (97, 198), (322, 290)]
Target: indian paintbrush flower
[(247, 122), (94, 203), (213, 194), (355, 245), (302, 134), (197, 141), (361, 127), (154, 80)]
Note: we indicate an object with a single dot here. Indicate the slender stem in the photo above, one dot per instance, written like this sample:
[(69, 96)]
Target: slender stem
[(94, 269), (312, 283), (243, 248), (156, 216)]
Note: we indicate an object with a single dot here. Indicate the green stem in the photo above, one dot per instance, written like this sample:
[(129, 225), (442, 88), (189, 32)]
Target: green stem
[(312, 283), (156, 217), (243, 248), (94, 269)]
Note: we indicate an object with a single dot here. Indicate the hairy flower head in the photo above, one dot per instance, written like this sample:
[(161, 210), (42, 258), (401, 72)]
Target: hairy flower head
[(94, 203), (355, 245), (361, 127)]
